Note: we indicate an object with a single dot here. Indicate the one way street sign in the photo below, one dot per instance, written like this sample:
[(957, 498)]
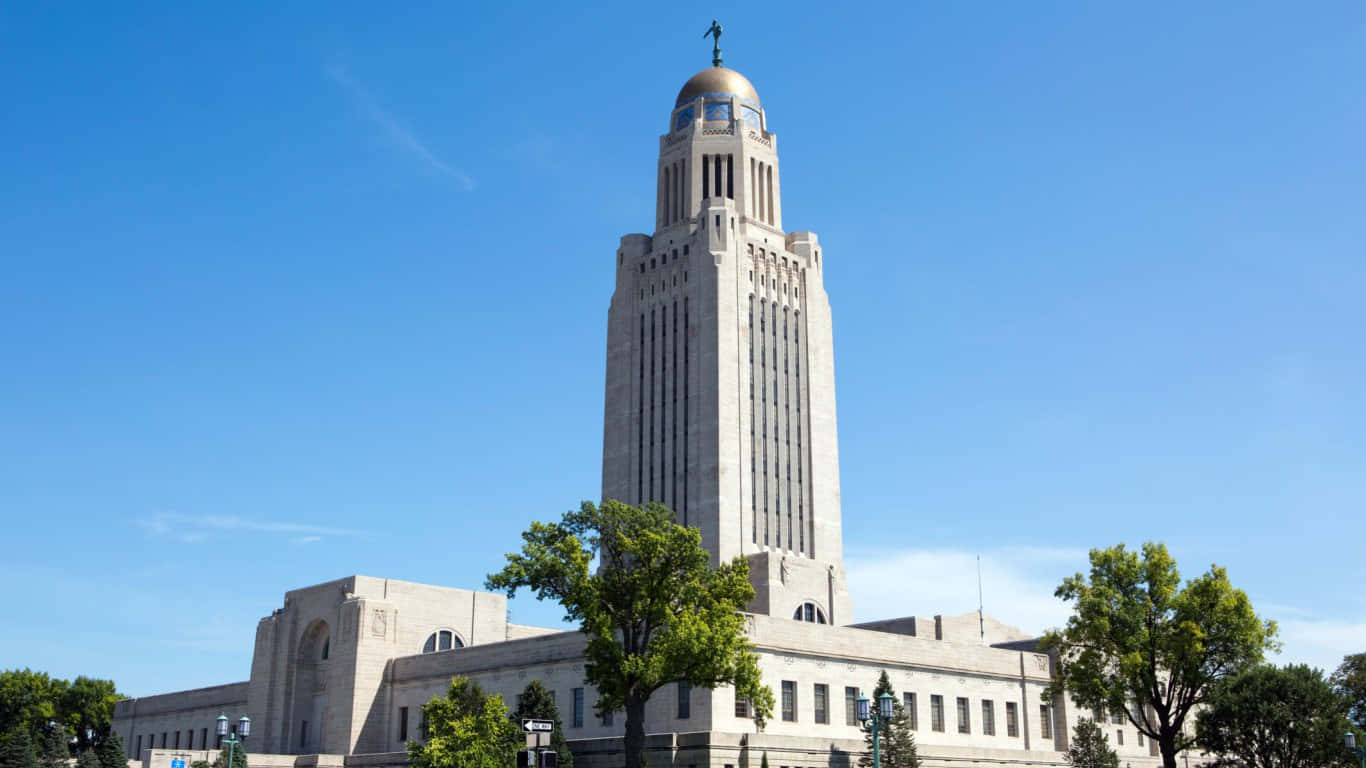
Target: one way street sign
[(538, 726)]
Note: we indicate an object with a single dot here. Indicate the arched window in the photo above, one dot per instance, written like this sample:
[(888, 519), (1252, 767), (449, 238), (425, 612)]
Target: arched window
[(442, 640), (327, 648), (809, 612)]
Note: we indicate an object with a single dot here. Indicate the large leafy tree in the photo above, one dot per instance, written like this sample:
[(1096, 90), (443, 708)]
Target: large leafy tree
[(29, 700), (654, 610), (1267, 717), (1090, 748), (465, 729), (896, 741), (86, 706), (1141, 643), (1350, 682), (536, 703)]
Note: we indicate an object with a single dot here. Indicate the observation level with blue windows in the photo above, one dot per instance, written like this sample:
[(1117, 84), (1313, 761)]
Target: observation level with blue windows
[(716, 93)]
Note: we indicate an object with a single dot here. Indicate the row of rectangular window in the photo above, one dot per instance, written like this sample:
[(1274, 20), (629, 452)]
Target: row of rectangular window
[(821, 697), (684, 692), (166, 739)]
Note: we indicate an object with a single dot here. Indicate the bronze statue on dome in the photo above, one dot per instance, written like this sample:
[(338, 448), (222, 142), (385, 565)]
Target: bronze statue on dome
[(714, 32)]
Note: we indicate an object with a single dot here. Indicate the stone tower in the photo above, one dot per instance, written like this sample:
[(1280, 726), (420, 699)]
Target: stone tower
[(720, 394)]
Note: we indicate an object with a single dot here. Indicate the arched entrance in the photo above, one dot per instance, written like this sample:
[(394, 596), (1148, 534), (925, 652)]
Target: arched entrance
[(310, 691)]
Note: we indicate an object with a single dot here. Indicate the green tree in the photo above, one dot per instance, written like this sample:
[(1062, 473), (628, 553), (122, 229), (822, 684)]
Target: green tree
[(654, 610), (54, 746), (110, 752), (29, 699), (536, 703), (87, 759), (1090, 748), (763, 762), (896, 742), (465, 729), (239, 757), (1267, 717), (16, 748), (1140, 643), (86, 707), (1350, 682)]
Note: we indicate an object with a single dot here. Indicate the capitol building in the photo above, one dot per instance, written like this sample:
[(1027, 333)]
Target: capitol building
[(720, 403)]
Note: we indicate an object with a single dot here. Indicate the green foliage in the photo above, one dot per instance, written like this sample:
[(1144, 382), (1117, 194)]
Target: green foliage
[(110, 752), (763, 762), (1140, 643), (536, 703), (54, 746), (16, 749), (87, 759), (465, 729), (239, 757), (896, 742), (201, 764), (1267, 717), (1350, 682), (1090, 748), (85, 706), (654, 611)]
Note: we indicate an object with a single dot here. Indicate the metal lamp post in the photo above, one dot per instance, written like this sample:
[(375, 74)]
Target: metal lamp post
[(243, 731), (1350, 739), (879, 718)]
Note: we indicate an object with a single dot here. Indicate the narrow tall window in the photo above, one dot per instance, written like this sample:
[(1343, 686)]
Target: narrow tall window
[(578, 708), (850, 706), (1045, 721), (1012, 720), (684, 700), (768, 188), (988, 717), (820, 704), (203, 738), (790, 701), (402, 724), (742, 707), (730, 177), (936, 712), (138, 752), (189, 739), (177, 739), (964, 716), (908, 703), (706, 176)]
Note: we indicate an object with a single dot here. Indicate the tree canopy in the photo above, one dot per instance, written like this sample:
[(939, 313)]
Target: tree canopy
[(1269, 717), (1141, 643), (1090, 748), (83, 707), (466, 728), (1350, 682), (896, 740), (536, 703), (654, 610)]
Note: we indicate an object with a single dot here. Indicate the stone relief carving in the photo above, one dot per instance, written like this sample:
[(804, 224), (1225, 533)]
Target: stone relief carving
[(379, 623)]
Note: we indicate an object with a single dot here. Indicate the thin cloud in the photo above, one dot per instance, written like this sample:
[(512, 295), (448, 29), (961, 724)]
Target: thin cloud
[(190, 529), (394, 128), (1018, 584)]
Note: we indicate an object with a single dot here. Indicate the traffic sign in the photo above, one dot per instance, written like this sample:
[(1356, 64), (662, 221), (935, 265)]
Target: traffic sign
[(177, 764), (538, 726)]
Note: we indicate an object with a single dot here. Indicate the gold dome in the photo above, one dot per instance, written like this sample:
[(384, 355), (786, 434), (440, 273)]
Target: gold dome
[(717, 80)]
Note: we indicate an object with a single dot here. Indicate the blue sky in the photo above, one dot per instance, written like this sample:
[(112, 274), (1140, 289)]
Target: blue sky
[(289, 293)]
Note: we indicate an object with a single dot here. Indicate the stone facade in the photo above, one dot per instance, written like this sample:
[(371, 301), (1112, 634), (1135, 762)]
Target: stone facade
[(719, 402)]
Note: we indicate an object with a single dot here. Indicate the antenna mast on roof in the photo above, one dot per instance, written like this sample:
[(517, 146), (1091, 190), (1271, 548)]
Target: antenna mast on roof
[(981, 617)]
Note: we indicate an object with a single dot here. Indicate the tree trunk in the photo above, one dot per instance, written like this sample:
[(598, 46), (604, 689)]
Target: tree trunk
[(634, 747), (1166, 745)]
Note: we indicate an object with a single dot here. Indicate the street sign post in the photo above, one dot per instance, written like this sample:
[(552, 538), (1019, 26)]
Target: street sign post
[(537, 726), (536, 732)]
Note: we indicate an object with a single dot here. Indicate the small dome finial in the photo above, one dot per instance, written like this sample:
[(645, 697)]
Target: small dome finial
[(714, 32)]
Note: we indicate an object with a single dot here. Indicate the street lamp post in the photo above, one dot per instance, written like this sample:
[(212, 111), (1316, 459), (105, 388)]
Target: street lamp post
[(243, 731), (1350, 739), (879, 718)]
